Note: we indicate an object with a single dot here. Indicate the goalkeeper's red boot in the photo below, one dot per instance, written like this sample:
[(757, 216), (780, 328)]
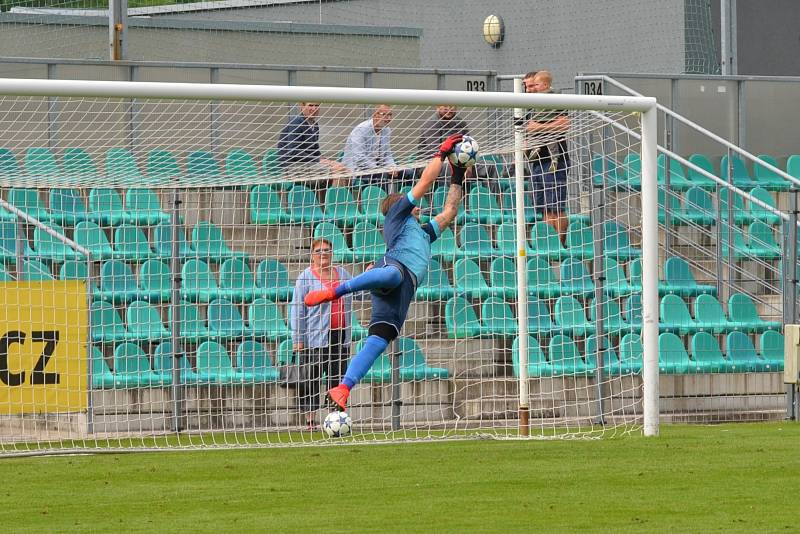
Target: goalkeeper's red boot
[(338, 397), (317, 297)]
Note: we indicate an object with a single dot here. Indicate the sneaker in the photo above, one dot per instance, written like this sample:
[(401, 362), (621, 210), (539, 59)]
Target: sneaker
[(317, 297), (338, 397)]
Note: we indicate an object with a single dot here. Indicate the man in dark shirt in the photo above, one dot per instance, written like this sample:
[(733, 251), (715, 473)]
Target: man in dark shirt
[(298, 143)]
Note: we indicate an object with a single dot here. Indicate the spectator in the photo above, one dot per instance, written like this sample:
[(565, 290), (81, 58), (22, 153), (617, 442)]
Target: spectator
[(546, 155), (320, 335), (298, 143), (438, 128), (369, 147)]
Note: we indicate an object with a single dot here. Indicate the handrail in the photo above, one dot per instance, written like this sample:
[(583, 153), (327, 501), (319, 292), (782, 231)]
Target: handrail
[(695, 126), (37, 223)]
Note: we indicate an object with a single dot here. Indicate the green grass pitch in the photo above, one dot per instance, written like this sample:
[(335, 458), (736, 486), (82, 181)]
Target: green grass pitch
[(727, 478)]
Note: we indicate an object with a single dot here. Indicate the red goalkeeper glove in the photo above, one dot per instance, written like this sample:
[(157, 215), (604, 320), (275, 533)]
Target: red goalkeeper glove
[(449, 145)]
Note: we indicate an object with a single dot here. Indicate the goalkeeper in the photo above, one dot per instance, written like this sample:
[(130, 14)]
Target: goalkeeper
[(395, 277)]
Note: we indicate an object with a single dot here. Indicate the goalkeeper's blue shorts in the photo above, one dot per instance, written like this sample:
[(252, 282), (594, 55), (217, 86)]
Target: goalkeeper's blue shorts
[(390, 306), (549, 185)]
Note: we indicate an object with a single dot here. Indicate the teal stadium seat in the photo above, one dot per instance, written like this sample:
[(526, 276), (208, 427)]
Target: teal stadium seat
[(575, 279), (132, 368), (42, 167), (740, 215), (371, 197), (468, 279), (302, 206), (155, 281), (565, 358), (102, 377), (503, 278), (131, 244), (78, 270), (265, 320), (199, 283), (91, 237), (78, 165), (191, 327), (540, 322), (445, 248), (271, 169), (436, 285), (759, 213), (674, 316), (507, 239), (710, 316), (741, 176), (272, 280), (236, 280), (460, 319), (202, 168), (117, 282), (413, 365), (254, 363), (214, 365), (476, 242), (209, 243), (744, 315), (47, 247), (225, 322), (341, 207), (698, 179), (67, 207), (162, 168), (698, 207), (368, 243), (706, 355), (8, 242), (497, 319), (144, 323), (616, 283), (767, 178), (610, 360), (240, 166), (616, 242), (162, 242), (680, 280), (761, 242), (106, 324), (742, 355), (545, 242), (771, 343), (580, 242), (106, 207), (542, 280), (630, 354), (266, 207), (672, 355), (143, 207), (482, 207), (677, 175), (122, 169), (538, 366), (35, 271), (571, 317), (613, 320)]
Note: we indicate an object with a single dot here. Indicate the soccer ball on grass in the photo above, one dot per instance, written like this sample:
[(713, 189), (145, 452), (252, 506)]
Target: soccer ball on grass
[(337, 424), (464, 153)]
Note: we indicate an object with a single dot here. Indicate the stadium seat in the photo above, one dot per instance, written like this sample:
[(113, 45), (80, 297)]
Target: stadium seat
[(761, 242), (117, 282), (225, 322), (698, 207), (202, 168), (341, 207), (106, 324), (265, 320), (445, 248), (740, 215), (744, 315), (608, 173), (503, 278), (191, 327), (29, 202), (254, 363), (162, 242), (236, 280), (4, 276), (460, 319), (67, 207), (575, 279), (358, 331), (162, 168), (155, 281), (164, 362), (570, 317), (698, 179), (214, 365), (674, 316), (538, 366), (381, 370), (436, 285), (580, 242), (131, 244), (706, 355), (507, 239), (35, 271), (630, 172), (143, 207), (540, 322), (266, 207), (371, 197), (368, 243), (91, 237), (47, 247), (78, 270), (102, 377), (482, 207), (611, 364), (240, 166), (302, 206), (616, 243), (672, 355), (793, 166), (542, 280), (476, 242), (630, 354), (675, 209), (758, 213), (738, 247), (771, 343), (106, 207), (633, 311), (468, 279), (767, 178), (8, 242), (209, 243), (272, 280), (545, 242), (741, 176), (199, 283), (78, 165), (413, 365), (286, 354), (331, 232), (497, 319), (121, 167), (144, 323), (508, 201), (616, 284), (9, 167), (677, 174), (680, 280), (565, 358), (41, 166), (613, 321), (742, 355), (271, 168)]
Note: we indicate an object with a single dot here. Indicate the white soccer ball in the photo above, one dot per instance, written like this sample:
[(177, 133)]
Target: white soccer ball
[(465, 153), (337, 424)]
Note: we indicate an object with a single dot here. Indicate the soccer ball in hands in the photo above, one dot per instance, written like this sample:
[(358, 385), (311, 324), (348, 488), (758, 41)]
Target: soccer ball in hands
[(337, 424), (464, 153)]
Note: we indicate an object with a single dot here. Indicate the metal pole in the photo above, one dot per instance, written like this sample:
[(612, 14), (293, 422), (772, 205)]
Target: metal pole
[(89, 355), (731, 229), (667, 189), (597, 198), (522, 266), (175, 301), (790, 287), (397, 402), (650, 384), (118, 29)]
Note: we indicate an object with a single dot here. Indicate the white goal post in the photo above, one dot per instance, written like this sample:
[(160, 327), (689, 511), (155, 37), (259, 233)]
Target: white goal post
[(640, 107)]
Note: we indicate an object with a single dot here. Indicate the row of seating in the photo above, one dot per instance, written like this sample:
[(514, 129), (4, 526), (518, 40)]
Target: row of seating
[(130, 243), (569, 316), (564, 357), (132, 367), (627, 174), (697, 207)]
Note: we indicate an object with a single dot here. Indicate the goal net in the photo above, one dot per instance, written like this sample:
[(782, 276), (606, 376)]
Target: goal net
[(157, 240)]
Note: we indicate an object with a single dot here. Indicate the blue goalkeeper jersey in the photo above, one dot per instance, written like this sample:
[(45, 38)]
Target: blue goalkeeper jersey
[(407, 241)]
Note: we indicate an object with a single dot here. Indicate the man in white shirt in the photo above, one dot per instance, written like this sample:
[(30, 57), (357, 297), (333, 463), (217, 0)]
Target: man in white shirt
[(368, 147)]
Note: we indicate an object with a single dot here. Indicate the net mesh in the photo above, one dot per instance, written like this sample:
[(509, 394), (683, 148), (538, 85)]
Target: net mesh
[(199, 218)]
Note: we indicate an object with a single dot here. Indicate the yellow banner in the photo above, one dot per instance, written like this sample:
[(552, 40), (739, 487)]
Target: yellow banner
[(43, 334)]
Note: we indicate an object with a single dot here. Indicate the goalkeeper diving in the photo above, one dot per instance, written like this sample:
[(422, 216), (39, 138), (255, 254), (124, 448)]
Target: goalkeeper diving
[(393, 279)]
